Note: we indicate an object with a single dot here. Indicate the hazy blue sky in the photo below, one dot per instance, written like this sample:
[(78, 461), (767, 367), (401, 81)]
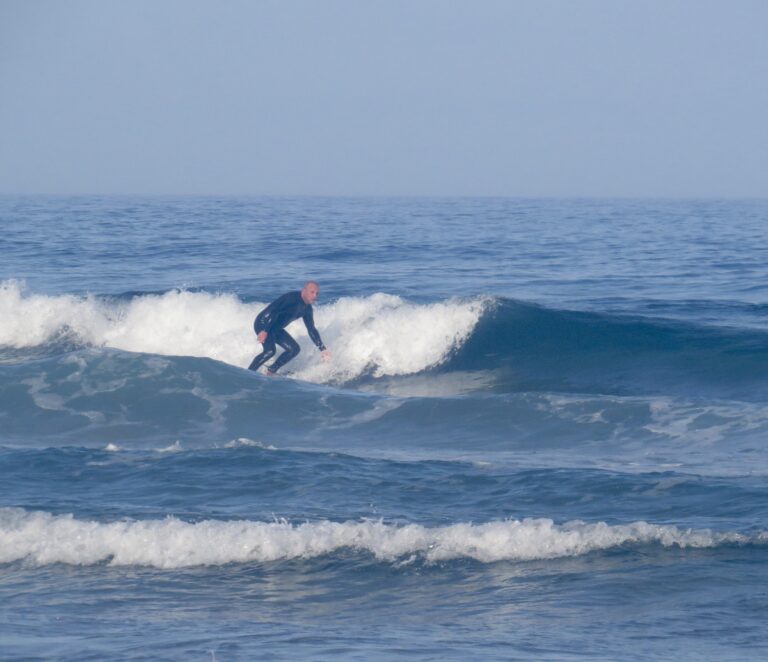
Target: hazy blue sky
[(413, 97)]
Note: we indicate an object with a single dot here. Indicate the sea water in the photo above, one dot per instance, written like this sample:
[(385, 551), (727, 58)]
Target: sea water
[(543, 433)]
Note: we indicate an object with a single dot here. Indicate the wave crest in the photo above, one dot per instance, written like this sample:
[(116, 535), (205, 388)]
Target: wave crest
[(43, 538), (380, 334)]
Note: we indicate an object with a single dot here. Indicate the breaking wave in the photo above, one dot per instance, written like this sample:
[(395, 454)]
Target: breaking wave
[(43, 538), (379, 335), (378, 341)]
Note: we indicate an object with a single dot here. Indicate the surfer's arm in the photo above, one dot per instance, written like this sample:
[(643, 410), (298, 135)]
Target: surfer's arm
[(264, 320), (314, 334)]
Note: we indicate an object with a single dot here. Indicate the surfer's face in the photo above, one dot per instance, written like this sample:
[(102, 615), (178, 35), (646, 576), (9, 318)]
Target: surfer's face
[(309, 293)]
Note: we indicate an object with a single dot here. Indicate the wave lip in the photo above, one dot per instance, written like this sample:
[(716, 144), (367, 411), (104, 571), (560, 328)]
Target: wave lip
[(43, 538)]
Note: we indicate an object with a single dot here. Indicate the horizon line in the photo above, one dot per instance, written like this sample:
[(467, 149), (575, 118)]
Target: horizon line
[(390, 196)]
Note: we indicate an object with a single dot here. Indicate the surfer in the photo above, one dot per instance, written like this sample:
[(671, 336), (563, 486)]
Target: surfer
[(270, 326)]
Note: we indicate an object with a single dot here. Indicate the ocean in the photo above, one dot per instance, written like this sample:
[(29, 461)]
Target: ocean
[(543, 433)]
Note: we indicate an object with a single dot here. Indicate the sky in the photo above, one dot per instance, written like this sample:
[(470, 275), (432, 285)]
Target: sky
[(553, 98)]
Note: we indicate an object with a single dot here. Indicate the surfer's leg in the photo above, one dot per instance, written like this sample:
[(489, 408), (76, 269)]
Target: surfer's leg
[(267, 353), (291, 347)]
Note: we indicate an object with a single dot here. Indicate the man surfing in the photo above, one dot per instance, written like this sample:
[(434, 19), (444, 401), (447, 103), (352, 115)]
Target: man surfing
[(270, 326)]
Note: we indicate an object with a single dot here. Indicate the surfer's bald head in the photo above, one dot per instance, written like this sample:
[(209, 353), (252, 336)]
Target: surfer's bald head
[(309, 291)]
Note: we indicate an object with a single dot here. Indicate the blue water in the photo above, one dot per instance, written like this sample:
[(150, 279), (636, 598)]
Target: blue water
[(543, 433)]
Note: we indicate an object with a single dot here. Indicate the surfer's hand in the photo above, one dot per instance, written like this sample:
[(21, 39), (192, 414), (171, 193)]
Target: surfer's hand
[(325, 355), (261, 337)]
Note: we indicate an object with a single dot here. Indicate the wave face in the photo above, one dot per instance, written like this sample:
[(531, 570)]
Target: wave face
[(534, 348)]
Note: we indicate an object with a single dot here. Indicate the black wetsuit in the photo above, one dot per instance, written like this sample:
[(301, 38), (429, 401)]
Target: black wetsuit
[(273, 319)]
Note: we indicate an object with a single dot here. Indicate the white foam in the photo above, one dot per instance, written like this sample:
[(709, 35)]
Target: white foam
[(30, 320), (709, 423), (251, 443), (43, 538), (706, 423), (381, 334), (175, 447), (385, 335)]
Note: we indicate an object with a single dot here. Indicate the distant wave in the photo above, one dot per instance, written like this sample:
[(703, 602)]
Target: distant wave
[(43, 538)]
